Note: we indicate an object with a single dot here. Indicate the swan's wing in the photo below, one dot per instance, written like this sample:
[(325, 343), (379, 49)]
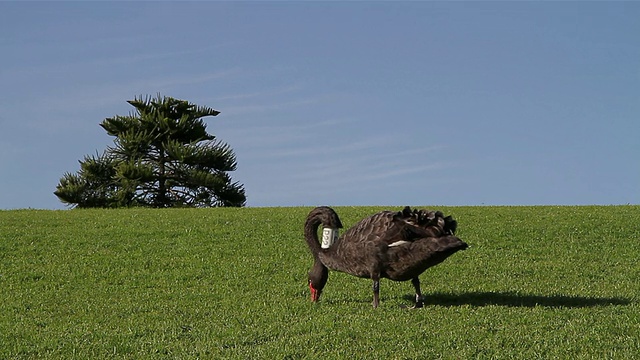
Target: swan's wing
[(389, 227), (370, 229)]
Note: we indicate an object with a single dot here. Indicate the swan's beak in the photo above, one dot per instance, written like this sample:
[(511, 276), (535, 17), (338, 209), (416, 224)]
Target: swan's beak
[(315, 293)]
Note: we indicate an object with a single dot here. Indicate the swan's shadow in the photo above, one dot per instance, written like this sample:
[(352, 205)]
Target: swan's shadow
[(513, 299)]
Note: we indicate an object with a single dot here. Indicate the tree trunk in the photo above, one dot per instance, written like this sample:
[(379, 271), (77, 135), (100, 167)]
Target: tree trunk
[(161, 199)]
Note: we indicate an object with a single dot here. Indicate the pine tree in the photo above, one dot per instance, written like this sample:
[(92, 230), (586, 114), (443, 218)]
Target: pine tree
[(162, 157)]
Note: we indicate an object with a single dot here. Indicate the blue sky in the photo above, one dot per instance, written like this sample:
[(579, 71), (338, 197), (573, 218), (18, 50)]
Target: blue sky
[(340, 103)]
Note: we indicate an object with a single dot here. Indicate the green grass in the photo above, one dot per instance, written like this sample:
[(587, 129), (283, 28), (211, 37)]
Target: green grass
[(537, 283)]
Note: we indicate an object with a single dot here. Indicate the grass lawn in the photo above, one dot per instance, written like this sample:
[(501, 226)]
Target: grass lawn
[(536, 283)]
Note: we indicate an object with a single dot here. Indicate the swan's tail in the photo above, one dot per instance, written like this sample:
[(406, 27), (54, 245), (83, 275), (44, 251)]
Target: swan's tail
[(433, 221)]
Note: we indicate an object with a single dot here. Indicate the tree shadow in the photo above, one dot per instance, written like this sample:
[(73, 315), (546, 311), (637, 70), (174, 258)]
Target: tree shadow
[(513, 299)]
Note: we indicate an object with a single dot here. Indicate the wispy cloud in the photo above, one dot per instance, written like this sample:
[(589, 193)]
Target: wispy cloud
[(317, 174), (330, 149), (246, 109), (98, 95), (328, 183), (359, 169), (78, 108), (258, 94)]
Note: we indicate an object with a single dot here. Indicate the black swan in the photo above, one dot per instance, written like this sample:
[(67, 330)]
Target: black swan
[(394, 245)]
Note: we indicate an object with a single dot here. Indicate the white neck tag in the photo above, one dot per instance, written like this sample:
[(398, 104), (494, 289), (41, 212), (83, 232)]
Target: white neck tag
[(329, 236)]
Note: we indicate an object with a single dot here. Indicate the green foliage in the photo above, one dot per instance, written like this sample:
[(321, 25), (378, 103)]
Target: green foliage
[(95, 185), (162, 157), (536, 283)]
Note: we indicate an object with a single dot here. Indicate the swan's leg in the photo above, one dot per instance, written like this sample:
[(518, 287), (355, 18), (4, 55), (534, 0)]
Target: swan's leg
[(376, 291), (416, 284)]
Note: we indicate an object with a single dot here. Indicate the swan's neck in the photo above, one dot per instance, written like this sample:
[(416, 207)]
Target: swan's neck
[(311, 236), (329, 237)]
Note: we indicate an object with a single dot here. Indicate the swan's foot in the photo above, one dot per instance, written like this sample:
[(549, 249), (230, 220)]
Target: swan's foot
[(376, 292), (416, 284), (416, 306), (419, 303)]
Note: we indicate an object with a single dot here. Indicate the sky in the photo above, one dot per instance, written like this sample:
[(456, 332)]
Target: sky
[(339, 103)]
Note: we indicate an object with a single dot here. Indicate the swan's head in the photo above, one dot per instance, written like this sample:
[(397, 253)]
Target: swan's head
[(318, 277)]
